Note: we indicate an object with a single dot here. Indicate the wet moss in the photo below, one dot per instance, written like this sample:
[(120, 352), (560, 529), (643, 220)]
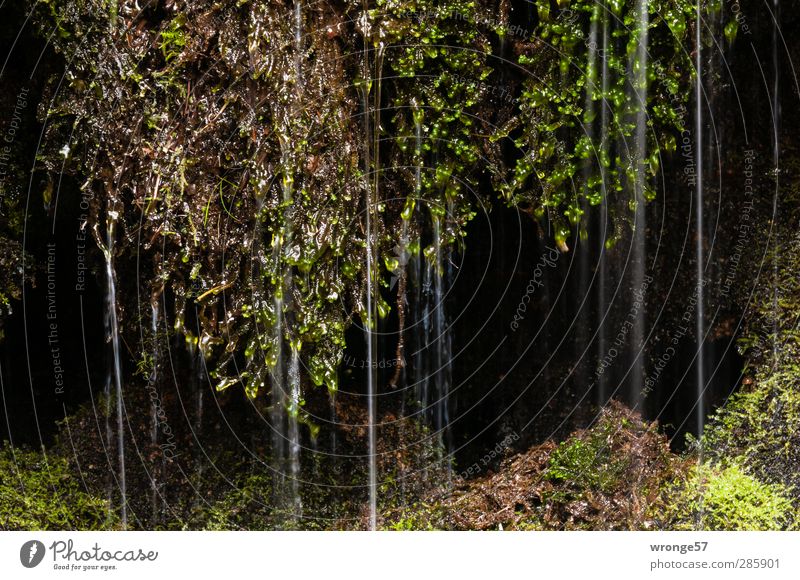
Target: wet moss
[(40, 492), (237, 145), (607, 477), (727, 498)]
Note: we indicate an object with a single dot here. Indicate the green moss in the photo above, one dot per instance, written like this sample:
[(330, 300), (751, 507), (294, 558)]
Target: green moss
[(759, 426), (586, 462), (418, 517), (248, 174), (568, 159), (173, 39), (40, 492), (727, 498), (245, 506)]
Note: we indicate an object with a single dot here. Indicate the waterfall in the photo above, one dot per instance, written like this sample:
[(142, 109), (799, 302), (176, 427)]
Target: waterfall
[(334, 427), (699, 223), (298, 42), (372, 165), (776, 153), (285, 400), (154, 408), (592, 91), (196, 381), (115, 370), (639, 67), (277, 399), (603, 306), (293, 378), (421, 304), (444, 371)]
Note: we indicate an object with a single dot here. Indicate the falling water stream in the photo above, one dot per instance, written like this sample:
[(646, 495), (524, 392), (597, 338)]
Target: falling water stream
[(278, 397), (372, 192), (115, 371), (286, 399), (584, 254), (602, 288), (155, 475), (699, 224), (441, 343), (293, 379), (371, 234), (639, 67), (776, 153)]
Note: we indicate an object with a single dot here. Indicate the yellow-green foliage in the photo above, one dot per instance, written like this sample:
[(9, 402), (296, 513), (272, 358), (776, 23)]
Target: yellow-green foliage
[(727, 498), (39, 492), (761, 423)]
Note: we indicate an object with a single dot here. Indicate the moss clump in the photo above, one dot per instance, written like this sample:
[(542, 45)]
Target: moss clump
[(587, 462), (607, 477), (727, 498), (581, 59), (39, 492), (417, 517), (759, 426)]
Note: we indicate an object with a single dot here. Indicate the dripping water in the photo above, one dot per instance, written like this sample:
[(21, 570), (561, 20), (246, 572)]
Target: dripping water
[(293, 378), (298, 43), (699, 225), (115, 370), (592, 91), (639, 68), (372, 200), (421, 307), (776, 112), (285, 396), (109, 430), (442, 370), (602, 287), (277, 398), (197, 377), (334, 427), (372, 164), (154, 477)]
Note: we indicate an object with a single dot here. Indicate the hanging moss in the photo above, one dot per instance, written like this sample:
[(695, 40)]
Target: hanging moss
[(239, 157), (576, 129)]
